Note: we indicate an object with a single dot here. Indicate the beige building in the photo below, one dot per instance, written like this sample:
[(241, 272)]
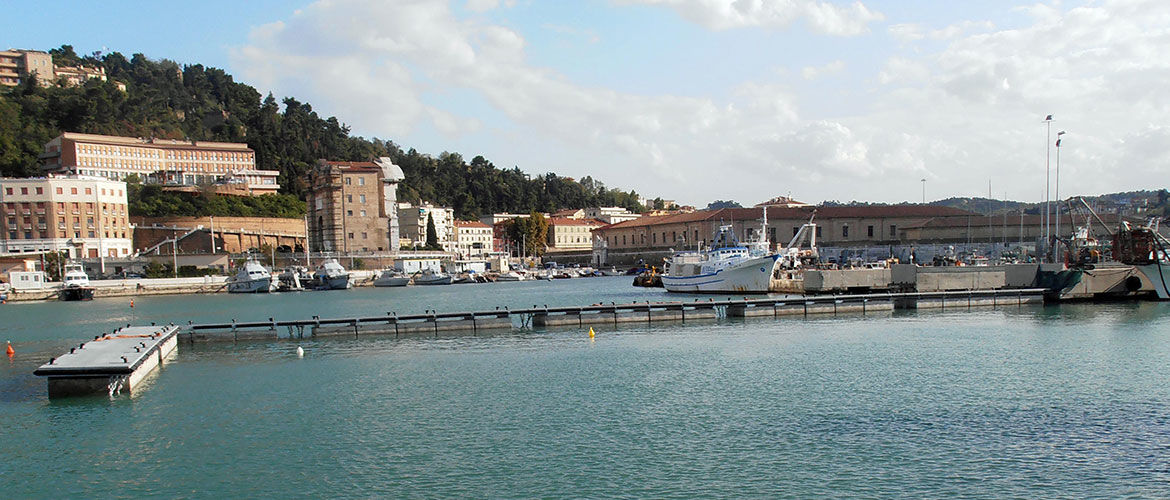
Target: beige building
[(413, 221), (158, 161), (473, 239), (352, 206), (17, 64), (85, 215), (610, 215), (571, 234)]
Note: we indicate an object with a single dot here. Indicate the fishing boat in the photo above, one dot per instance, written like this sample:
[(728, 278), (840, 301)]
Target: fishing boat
[(392, 277), (430, 277), (75, 284), (510, 276), (252, 277), (1148, 251), (727, 266), (331, 276)]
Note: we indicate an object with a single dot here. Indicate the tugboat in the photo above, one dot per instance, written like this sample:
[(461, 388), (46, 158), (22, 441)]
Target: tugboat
[(76, 284), (251, 278), (331, 276)]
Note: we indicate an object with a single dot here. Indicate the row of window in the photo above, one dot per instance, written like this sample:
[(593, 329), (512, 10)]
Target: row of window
[(129, 152), (28, 234), (60, 190), (674, 236)]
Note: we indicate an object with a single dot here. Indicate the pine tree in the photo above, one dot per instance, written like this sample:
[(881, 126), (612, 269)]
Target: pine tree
[(432, 235)]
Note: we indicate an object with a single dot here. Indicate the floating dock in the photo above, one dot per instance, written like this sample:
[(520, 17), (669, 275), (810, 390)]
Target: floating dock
[(111, 363), (432, 323)]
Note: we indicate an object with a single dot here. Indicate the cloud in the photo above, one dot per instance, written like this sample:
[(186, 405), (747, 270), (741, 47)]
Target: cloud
[(821, 17), (958, 104), (814, 72)]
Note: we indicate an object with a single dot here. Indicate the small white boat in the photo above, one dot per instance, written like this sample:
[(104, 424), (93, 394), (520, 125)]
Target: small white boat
[(510, 276), (392, 277), (75, 284), (331, 276), (251, 278), (429, 277)]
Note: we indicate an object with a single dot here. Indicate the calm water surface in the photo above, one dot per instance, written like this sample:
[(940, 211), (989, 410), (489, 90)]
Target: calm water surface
[(1068, 401)]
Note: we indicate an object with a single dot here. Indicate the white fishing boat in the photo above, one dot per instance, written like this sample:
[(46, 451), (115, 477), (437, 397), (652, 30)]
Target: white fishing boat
[(331, 276), (252, 277), (1148, 251), (728, 266), (75, 284), (430, 277), (392, 277)]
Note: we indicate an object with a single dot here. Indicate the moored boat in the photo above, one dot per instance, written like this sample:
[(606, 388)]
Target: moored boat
[(392, 277), (75, 284), (252, 277), (1148, 251), (728, 266), (430, 277), (331, 276)]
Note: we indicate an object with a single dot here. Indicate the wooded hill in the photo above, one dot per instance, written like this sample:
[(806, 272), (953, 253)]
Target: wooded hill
[(191, 102)]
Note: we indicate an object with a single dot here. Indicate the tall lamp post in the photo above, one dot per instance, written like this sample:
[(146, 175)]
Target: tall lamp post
[(924, 190), (1047, 178), (1058, 134)]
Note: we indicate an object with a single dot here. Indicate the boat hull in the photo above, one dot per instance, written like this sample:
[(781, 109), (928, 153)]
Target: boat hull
[(333, 282), (392, 281), (750, 276), (434, 280), (1159, 276), (259, 285), (76, 293)]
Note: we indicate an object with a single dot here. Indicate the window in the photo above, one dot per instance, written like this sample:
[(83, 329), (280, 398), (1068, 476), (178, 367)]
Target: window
[(347, 179), (363, 212), (893, 231), (72, 190), (349, 213), (818, 231), (364, 236), (362, 198), (8, 191), (88, 191), (351, 236), (361, 181), (23, 190), (349, 197), (40, 191), (869, 231), (844, 231), (60, 191)]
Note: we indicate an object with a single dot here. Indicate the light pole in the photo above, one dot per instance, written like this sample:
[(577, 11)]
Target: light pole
[(1058, 134), (924, 190), (1047, 178)]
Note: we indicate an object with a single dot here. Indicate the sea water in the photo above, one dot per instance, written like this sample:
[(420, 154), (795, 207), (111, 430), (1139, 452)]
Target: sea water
[(1033, 401)]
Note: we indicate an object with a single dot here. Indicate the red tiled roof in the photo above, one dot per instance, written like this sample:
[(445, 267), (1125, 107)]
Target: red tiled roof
[(777, 213), (471, 223), (976, 220), (354, 165)]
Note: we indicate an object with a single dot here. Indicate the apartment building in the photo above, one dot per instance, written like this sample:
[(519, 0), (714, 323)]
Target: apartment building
[(17, 64), (473, 239), (158, 161), (353, 206), (87, 216), (413, 220), (610, 215), (565, 234)]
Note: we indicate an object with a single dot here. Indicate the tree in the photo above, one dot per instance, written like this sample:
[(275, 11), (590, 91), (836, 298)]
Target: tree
[(432, 235), (530, 232)]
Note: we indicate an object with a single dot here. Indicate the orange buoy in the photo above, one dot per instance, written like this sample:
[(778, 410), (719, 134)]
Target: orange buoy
[(11, 351), (132, 303)]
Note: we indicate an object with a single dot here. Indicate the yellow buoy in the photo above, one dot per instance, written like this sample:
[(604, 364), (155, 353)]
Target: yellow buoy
[(591, 332)]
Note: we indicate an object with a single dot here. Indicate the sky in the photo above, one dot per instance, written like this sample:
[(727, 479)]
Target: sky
[(701, 100)]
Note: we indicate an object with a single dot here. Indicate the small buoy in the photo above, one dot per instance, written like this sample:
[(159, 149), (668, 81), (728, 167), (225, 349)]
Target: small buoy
[(300, 352), (132, 303), (11, 351), (591, 332)]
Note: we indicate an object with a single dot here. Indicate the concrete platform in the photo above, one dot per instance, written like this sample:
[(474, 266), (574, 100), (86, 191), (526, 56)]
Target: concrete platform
[(111, 363)]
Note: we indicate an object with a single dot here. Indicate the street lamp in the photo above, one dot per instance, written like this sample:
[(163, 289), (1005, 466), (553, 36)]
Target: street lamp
[(1058, 134), (1047, 176), (924, 190)]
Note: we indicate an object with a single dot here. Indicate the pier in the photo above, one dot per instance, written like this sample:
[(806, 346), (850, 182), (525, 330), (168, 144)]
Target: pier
[(435, 323), (111, 363)]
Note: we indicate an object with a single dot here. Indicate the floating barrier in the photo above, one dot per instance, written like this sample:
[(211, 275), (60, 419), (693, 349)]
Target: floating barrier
[(110, 363)]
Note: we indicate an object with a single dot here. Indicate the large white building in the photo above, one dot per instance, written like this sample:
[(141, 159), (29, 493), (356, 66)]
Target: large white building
[(87, 216), (473, 239), (412, 223), (159, 161)]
